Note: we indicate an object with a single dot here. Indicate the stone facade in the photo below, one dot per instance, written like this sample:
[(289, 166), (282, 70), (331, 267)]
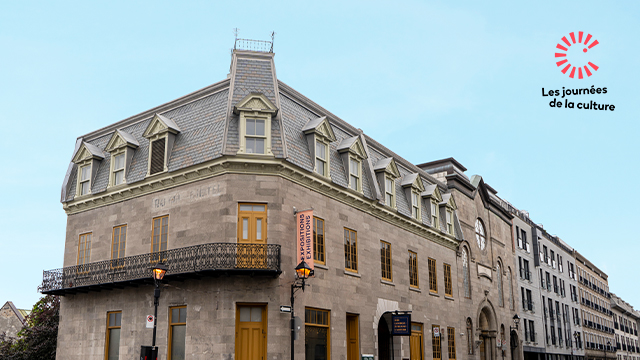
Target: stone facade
[(11, 319), (625, 323)]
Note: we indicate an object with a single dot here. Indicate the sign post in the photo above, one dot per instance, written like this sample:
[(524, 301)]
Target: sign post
[(401, 325)]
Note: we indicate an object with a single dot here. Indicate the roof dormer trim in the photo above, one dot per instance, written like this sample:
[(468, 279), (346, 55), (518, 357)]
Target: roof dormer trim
[(448, 201), (320, 127), (160, 124), (388, 165), (414, 181), (86, 152), (433, 192), (255, 101), (353, 146), (121, 139)]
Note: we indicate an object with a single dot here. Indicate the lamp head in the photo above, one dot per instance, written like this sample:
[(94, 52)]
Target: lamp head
[(303, 270), (159, 271)]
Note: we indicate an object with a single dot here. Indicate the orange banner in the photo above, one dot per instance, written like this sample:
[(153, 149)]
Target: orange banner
[(304, 245)]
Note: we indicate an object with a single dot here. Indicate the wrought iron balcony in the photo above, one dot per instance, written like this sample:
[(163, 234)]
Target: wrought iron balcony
[(193, 261)]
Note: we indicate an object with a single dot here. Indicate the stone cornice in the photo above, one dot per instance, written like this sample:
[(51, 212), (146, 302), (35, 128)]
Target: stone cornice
[(259, 165)]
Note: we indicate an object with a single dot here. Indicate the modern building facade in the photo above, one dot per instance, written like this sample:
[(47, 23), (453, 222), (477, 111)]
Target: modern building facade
[(210, 185), (597, 317), (625, 323)]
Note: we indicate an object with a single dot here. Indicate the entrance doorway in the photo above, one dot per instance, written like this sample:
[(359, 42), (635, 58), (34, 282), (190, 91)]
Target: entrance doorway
[(384, 340), (251, 332), (353, 343), (416, 342)]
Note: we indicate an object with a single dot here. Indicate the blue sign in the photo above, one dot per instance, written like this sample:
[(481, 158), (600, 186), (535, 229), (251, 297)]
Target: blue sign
[(401, 325)]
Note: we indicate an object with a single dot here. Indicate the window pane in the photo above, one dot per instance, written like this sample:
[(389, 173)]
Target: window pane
[(354, 182), (320, 167), (353, 166), (183, 315), (245, 228), (246, 207), (321, 150), (251, 146), (114, 344), (118, 162), (388, 185), (84, 188), (118, 319), (259, 229), (260, 127), (175, 315), (258, 208), (245, 313), (112, 319), (251, 127), (178, 342), (86, 172), (119, 177), (256, 314)]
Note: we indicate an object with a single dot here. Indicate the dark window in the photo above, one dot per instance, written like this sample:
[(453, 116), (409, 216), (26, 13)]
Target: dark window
[(157, 156)]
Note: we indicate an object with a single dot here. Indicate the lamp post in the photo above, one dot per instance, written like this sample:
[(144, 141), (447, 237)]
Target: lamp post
[(158, 273), (514, 344), (303, 271), (605, 349)]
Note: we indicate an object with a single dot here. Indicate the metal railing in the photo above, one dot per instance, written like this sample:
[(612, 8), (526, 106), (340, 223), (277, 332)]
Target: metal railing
[(253, 45), (199, 258)]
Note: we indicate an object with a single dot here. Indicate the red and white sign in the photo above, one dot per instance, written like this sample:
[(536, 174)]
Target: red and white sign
[(304, 238), (436, 331), (149, 321)]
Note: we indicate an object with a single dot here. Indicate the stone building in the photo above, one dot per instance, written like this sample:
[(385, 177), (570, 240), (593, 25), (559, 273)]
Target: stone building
[(625, 323), (209, 184), (12, 319), (597, 317)]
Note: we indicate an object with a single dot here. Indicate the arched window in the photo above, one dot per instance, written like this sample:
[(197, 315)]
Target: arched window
[(480, 234), (469, 337), (465, 272), (510, 288), (499, 278), (502, 334)]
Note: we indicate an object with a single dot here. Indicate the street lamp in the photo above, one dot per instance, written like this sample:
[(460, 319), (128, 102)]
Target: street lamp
[(516, 321), (605, 349), (158, 273), (303, 271)]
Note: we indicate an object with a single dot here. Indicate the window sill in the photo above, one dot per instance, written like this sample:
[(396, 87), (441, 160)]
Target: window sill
[(320, 266), (411, 288), (387, 282), (447, 297), (433, 293), (351, 273)]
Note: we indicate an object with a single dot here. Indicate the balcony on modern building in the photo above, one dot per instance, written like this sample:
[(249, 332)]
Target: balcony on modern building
[(212, 259)]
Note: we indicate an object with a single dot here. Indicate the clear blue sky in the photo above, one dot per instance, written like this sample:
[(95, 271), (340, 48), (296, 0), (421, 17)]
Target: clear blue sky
[(428, 79)]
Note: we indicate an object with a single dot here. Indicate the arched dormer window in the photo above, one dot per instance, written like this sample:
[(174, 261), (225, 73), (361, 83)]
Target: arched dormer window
[(481, 236)]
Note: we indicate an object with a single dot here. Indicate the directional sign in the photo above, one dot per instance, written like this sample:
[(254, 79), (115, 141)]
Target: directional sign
[(285, 308), (149, 321)]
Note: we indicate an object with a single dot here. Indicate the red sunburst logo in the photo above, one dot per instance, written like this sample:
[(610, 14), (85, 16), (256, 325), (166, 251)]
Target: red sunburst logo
[(586, 45)]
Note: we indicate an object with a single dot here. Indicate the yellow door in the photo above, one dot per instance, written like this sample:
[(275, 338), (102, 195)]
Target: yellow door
[(251, 332), (252, 236), (416, 341), (353, 348)]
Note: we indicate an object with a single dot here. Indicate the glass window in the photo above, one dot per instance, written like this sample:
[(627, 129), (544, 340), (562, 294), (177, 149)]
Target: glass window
[(350, 250), (354, 174), (499, 278), (451, 337), (449, 222), (465, 270), (434, 215), (84, 249), (413, 269), (318, 240), (435, 342), (321, 158), (480, 234), (114, 320), (119, 241), (385, 260), (159, 236), (415, 205), (252, 223), (255, 136), (390, 190), (448, 287), (317, 334), (118, 169), (433, 281), (85, 180), (177, 332)]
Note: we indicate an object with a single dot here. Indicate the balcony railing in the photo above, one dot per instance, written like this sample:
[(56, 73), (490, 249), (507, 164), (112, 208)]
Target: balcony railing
[(214, 258)]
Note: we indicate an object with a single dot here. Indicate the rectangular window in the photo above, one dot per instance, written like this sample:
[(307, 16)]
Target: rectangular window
[(389, 188), (435, 342), (433, 281), (177, 332), (255, 136), (318, 240), (415, 205), (434, 215), (84, 249), (448, 287), (413, 269), (450, 222), (317, 334), (321, 158), (118, 169), (451, 338), (350, 250), (252, 223), (354, 174), (114, 320), (385, 260), (85, 180), (157, 156), (118, 245), (159, 236), (532, 331)]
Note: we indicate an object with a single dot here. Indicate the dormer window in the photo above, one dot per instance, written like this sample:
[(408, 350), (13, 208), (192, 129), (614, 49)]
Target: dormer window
[(413, 187), (161, 133), (321, 158), (415, 205), (121, 146), (449, 222), (354, 174), (449, 207), (433, 197), (434, 215), (390, 192), (118, 169), (157, 161), (255, 136), (85, 180)]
